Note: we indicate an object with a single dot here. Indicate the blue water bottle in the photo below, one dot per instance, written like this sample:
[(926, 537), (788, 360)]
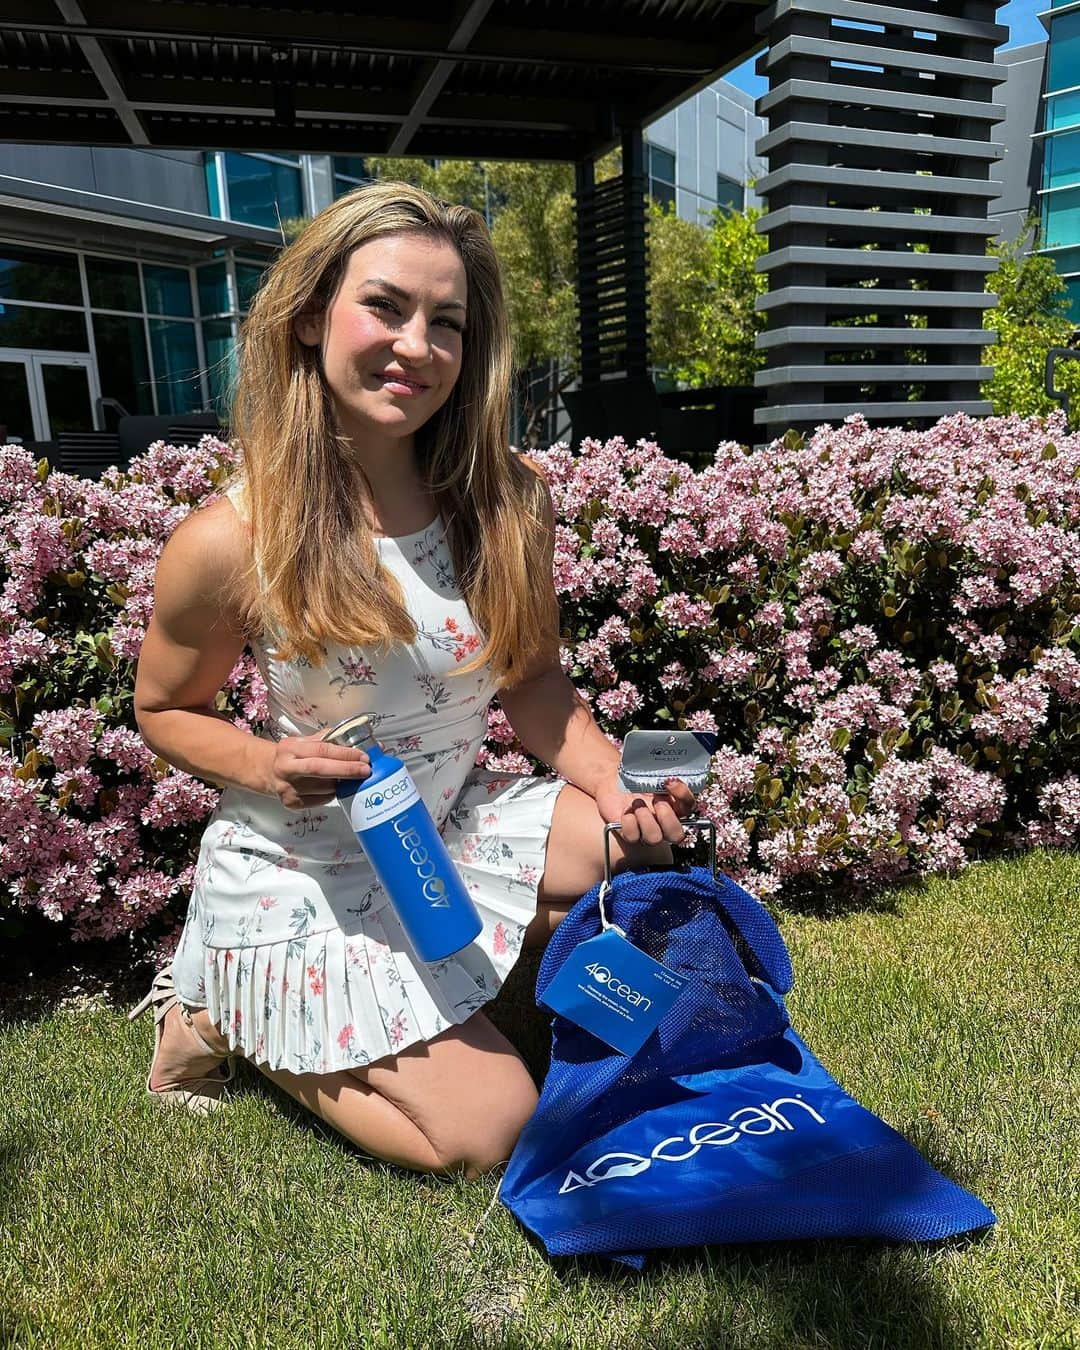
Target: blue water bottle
[(405, 848)]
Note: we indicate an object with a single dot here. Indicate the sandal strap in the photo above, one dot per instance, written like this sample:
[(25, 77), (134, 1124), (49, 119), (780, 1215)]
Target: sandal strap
[(188, 1021)]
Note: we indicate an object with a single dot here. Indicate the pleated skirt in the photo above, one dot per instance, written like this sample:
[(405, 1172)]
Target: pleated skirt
[(333, 1000)]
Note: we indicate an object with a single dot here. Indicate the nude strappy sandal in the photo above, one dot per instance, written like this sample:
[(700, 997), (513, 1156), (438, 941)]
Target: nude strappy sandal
[(200, 1095)]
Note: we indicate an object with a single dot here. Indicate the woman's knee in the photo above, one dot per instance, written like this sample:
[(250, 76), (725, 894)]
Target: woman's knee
[(486, 1144)]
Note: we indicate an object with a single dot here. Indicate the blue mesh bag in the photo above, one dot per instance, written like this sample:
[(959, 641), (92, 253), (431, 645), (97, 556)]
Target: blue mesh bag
[(723, 1127)]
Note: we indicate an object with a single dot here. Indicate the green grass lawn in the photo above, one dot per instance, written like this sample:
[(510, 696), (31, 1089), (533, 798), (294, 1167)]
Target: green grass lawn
[(950, 1009)]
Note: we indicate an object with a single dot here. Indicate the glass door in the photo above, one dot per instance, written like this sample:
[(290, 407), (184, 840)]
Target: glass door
[(19, 414), (67, 390), (45, 393)]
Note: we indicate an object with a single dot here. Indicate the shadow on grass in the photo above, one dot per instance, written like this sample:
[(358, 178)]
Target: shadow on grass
[(844, 1294), (42, 974)]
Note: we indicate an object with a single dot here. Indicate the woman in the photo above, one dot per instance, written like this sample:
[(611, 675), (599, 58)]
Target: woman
[(381, 550)]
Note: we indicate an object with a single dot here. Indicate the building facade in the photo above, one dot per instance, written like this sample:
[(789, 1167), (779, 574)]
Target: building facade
[(1059, 135), (701, 154), (124, 273), (1019, 171), (120, 292)]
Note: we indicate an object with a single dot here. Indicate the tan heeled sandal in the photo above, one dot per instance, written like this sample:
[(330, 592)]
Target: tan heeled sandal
[(200, 1094)]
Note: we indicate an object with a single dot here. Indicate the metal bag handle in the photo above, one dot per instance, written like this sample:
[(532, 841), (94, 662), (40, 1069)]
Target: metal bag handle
[(691, 822)]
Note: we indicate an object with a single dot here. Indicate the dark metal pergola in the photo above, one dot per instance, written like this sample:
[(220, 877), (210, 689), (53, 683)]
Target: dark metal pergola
[(510, 79), (900, 131)]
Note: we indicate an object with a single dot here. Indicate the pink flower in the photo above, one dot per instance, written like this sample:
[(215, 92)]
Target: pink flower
[(680, 610), (943, 673), (621, 701), (1018, 709), (674, 676), (701, 721)]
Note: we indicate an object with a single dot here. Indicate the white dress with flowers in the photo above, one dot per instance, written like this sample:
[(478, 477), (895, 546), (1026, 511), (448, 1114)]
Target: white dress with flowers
[(290, 942)]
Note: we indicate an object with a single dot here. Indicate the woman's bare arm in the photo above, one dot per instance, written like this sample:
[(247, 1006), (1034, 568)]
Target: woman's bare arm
[(194, 639)]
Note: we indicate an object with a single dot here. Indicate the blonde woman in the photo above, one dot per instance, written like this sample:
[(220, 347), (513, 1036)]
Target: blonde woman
[(381, 550)]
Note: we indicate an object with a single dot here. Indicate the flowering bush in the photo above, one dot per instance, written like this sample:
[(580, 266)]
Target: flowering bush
[(93, 828), (882, 627)]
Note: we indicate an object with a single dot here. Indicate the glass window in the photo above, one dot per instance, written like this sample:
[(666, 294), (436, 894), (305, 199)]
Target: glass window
[(113, 284), (176, 366), (350, 166), (30, 274), (261, 192), (56, 330), (248, 278), (661, 175), (1061, 218), (67, 397), (1064, 56), (350, 171), (168, 290), (663, 193), (220, 348), (1072, 290), (123, 366), (214, 289), (661, 164), (1063, 110), (1066, 261), (213, 194), (1062, 159), (729, 193)]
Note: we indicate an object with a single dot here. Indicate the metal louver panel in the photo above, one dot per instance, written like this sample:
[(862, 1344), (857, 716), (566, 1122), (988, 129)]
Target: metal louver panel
[(880, 150), (612, 269)]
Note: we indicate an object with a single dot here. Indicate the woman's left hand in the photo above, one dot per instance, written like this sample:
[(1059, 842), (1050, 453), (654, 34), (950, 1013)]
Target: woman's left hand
[(647, 817)]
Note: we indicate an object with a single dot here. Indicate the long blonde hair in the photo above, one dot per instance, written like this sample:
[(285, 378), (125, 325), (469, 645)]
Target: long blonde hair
[(315, 574)]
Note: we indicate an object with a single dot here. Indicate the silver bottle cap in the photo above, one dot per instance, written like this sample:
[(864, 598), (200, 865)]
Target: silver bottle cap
[(354, 731)]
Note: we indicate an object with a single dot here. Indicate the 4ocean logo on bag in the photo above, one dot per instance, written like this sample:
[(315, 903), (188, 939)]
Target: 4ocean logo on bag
[(711, 1133)]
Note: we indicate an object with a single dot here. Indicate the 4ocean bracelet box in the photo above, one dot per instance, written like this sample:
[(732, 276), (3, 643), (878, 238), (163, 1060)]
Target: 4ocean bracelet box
[(649, 758)]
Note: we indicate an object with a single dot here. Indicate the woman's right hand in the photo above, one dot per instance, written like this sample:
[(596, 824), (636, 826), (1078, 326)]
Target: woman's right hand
[(305, 770)]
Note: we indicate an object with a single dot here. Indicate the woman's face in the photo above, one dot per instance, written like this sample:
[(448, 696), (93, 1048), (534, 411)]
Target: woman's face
[(391, 337)]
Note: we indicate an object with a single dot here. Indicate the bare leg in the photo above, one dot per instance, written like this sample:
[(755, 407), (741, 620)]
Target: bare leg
[(456, 1103)]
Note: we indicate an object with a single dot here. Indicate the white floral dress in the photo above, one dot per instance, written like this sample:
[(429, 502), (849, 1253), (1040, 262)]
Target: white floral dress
[(290, 942)]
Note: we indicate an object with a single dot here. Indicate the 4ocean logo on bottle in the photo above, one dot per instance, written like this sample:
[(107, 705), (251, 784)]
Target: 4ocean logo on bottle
[(390, 801), (433, 888)]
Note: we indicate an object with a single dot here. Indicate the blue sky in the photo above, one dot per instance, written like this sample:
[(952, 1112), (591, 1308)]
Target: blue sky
[(1018, 14)]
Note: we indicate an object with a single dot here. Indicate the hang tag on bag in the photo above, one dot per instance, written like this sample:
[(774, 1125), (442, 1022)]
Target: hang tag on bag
[(613, 990)]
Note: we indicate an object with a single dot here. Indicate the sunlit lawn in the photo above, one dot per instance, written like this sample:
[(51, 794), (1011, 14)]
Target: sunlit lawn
[(950, 1009)]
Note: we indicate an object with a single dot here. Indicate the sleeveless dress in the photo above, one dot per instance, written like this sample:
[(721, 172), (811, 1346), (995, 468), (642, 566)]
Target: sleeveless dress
[(290, 942)]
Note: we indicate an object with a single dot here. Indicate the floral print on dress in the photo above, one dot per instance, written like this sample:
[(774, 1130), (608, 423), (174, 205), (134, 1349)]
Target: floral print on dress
[(437, 758), (451, 637), (437, 692), (288, 924), (431, 555), (352, 670)]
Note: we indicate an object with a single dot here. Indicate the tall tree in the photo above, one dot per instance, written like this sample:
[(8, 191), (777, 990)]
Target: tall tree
[(1032, 315), (702, 286)]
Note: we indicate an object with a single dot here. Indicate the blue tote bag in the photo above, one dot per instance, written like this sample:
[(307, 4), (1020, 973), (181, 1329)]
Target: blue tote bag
[(722, 1127)]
